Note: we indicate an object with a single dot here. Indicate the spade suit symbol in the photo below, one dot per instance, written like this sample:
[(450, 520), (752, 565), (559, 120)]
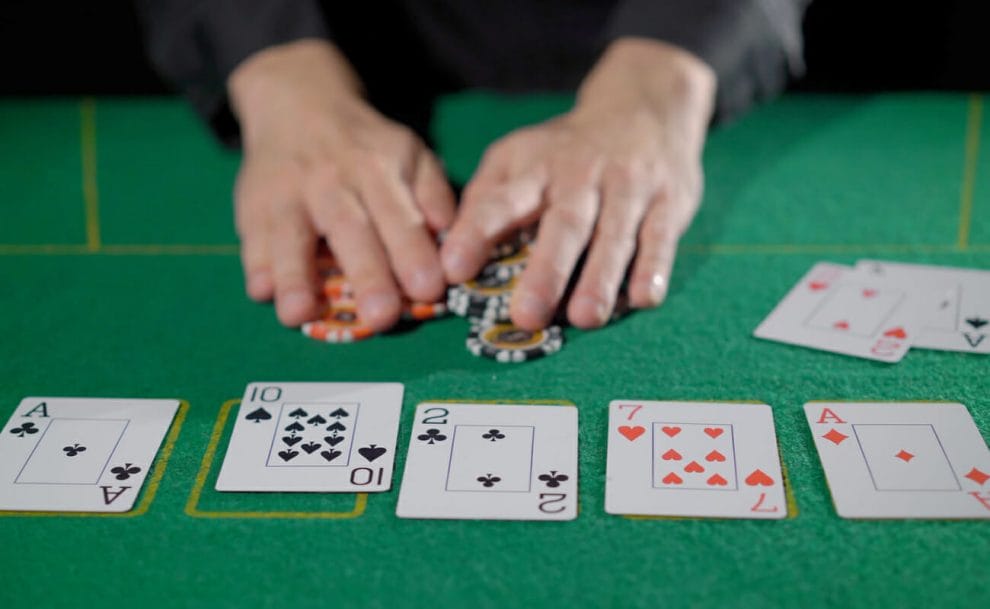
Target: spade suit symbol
[(372, 452), (259, 415)]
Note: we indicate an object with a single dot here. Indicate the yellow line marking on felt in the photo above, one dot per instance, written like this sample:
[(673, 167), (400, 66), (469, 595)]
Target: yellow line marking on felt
[(151, 486), (742, 249), (169, 249), (192, 504), (973, 125), (91, 194), (136, 249), (50, 249), (714, 249)]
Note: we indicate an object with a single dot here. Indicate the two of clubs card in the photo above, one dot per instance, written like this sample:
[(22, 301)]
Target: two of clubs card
[(701, 459), (879, 310), (80, 454), (491, 462)]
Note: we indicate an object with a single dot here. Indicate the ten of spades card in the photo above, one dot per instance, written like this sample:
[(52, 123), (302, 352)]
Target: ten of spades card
[(313, 437)]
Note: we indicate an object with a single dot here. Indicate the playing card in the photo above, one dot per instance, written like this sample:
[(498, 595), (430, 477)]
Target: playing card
[(80, 454), (704, 459), (902, 460), (313, 437), (491, 461), (836, 309), (957, 315)]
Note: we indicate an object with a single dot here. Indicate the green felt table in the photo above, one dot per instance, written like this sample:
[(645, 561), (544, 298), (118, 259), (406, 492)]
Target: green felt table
[(121, 278)]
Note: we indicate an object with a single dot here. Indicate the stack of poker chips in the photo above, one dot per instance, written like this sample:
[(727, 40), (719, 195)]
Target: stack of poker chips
[(485, 301), (339, 321)]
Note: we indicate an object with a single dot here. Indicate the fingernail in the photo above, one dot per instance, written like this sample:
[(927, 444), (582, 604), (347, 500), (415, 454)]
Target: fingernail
[(658, 288), (422, 280), (597, 307), (532, 306), (380, 305), (296, 300), (455, 262), (258, 282)]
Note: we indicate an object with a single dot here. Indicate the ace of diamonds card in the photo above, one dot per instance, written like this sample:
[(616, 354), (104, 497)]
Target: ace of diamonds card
[(80, 454), (491, 461), (902, 460), (702, 459)]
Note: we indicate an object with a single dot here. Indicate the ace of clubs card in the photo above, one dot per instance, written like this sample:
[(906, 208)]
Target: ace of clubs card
[(80, 454)]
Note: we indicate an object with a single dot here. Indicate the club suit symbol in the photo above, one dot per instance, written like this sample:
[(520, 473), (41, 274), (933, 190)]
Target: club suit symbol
[(432, 436)]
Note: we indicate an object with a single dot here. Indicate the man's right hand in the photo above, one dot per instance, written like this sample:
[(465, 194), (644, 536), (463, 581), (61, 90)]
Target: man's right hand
[(319, 161)]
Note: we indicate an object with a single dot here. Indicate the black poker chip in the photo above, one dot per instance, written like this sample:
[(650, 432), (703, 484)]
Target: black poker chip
[(505, 342), (485, 297)]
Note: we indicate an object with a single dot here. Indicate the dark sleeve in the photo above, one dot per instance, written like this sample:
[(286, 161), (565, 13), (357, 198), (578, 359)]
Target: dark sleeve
[(196, 44), (754, 46)]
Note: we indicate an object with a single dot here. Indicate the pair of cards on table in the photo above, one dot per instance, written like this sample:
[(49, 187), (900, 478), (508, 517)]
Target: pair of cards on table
[(879, 310), (500, 461), (881, 460), (464, 460)]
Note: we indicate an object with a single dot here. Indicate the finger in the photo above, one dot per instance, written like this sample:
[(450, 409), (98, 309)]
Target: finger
[(253, 232), (340, 216), (432, 192), (493, 169), (488, 213), (255, 260), (411, 249), (612, 248), (293, 250), (563, 234), (658, 238)]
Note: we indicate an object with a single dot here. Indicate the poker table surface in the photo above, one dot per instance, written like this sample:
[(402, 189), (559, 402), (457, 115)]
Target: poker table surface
[(121, 278)]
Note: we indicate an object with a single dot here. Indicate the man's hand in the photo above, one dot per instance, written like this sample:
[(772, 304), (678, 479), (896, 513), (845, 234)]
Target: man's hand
[(620, 175), (320, 162)]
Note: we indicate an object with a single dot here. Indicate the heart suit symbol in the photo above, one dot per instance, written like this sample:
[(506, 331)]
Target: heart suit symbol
[(631, 433)]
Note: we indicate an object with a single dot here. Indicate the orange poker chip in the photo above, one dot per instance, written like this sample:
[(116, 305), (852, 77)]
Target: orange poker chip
[(335, 284), (336, 287), (339, 324), (423, 311)]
